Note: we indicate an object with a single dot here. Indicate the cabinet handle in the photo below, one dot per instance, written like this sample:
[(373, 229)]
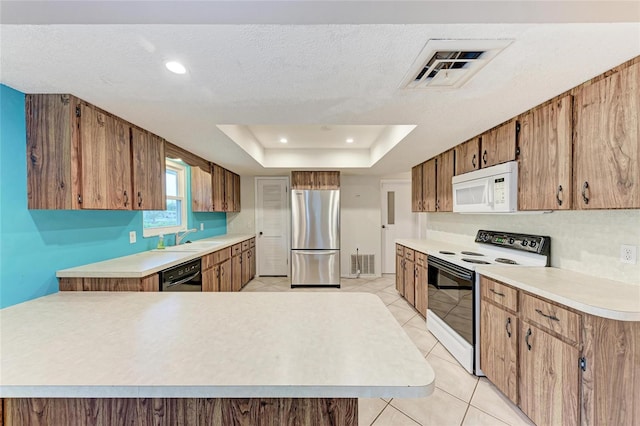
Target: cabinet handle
[(585, 187), (551, 317), (473, 161), (419, 205), (222, 271), (526, 338), (139, 199), (126, 199), (484, 157), (507, 326), (415, 272), (558, 192), (496, 293)]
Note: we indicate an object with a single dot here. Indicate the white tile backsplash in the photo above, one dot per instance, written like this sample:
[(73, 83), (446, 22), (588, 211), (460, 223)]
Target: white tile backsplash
[(581, 241)]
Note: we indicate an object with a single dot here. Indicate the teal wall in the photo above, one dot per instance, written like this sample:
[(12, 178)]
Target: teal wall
[(34, 244)]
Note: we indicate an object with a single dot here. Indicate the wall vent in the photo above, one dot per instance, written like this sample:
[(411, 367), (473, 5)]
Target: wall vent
[(364, 262), (450, 63)]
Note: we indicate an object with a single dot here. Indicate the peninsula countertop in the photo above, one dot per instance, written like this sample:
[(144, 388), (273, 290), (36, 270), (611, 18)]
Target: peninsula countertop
[(142, 264), (218, 345)]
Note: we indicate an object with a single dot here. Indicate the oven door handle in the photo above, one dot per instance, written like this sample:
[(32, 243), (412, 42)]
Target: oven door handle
[(184, 280), (458, 274)]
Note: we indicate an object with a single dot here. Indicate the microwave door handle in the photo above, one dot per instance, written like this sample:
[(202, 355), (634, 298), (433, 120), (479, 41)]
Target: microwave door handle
[(490, 190)]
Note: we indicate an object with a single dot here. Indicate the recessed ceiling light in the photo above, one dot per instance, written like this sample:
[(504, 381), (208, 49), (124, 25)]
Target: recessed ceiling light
[(350, 140), (175, 67), (283, 140)]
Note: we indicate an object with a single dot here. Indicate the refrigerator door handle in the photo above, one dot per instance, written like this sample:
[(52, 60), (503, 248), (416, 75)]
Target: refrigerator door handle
[(315, 252)]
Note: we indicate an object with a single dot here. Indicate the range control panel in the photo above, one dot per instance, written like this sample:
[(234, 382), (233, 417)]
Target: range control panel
[(531, 243)]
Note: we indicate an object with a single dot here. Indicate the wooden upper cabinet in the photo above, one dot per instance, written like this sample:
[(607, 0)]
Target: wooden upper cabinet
[(416, 188), (201, 190), (467, 156), (315, 180), (149, 167), (445, 167), (498, 145), (429, 180), (218, 188), (606, 162), (236, 193), (105, 164), (228, 191), (544, 161)]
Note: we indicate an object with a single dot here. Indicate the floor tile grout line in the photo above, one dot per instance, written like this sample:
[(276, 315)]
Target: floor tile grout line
[(491, 415), (380, 413)]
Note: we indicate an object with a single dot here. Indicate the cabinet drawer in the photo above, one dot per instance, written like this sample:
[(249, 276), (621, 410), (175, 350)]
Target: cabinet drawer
[(236, 249), (252, 242), (409, 254), (399, 250), (498, 293), (221, 255), (551, 317), (245, 245), (421, 259)]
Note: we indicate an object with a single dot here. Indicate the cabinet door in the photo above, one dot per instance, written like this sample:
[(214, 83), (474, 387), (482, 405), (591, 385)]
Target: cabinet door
[(467, 156), (444, 192), (236, 272), (210, 279), (201, 190), (606, 162), (326, 180), (252, 263), (228, 191), (246, 267), (421, 290), (225, 276), (416, 188), (549, 378), (302, 180), (499, 145), (410, 273), (236, 193), (498, 348), (400, 274), (218, 188), (148, 171), (429, 186), (544, 162)]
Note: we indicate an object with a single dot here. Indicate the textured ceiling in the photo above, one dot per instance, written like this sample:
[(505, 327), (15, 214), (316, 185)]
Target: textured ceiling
[(258, 75)]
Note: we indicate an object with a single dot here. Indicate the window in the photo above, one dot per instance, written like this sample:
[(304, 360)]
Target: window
[(174, 218)]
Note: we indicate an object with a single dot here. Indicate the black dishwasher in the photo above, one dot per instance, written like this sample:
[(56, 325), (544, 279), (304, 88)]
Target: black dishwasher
[(183, 277)]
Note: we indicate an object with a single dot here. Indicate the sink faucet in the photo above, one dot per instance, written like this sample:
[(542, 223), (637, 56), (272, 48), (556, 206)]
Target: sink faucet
[(180, 237)]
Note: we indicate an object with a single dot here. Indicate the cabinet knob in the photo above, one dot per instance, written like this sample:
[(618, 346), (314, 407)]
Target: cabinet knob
[(484, 157), (473, 161)]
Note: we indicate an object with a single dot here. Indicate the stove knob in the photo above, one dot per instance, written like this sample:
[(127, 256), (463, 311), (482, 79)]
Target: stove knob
[(511, 240), (524, 243), (532, 244)]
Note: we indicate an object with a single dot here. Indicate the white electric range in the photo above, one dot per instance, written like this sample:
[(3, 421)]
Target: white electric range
[(453, 314)]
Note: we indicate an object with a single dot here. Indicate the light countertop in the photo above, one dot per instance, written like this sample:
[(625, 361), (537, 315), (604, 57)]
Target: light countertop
[(224, 345), (592, 295), (150, 262)]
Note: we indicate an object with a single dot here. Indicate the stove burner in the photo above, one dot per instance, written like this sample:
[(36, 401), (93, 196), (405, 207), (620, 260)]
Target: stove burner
[(445, 252), (471, 253), (507, 261), (482, 262)]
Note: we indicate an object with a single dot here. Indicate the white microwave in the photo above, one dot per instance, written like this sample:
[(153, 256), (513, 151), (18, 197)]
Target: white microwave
[(490, 190)]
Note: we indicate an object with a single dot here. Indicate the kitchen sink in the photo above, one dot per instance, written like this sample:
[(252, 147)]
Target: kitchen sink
[(194, 246)]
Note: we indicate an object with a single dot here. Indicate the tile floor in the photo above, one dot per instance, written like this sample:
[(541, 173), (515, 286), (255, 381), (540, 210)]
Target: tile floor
[(459, 398)]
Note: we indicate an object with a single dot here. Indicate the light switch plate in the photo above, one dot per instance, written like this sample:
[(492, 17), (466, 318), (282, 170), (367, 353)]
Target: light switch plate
[(628, 254), (132, 237), (201, 226)]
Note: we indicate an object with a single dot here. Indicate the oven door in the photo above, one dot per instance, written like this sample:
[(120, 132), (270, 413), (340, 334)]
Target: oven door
[(451, 297)]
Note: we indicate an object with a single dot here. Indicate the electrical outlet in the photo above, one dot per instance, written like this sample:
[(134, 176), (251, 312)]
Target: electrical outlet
[(132, 237), (628, 254), (201, 226)]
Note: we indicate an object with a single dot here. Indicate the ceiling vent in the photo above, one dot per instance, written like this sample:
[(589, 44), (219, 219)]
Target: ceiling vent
[(449, 64)]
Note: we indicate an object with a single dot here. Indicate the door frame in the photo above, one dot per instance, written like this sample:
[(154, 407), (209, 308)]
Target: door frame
[(382, 232), (258, 210)]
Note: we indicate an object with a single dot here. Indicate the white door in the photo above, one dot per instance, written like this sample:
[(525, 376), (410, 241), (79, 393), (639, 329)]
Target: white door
[(272, 226), (397, 219)]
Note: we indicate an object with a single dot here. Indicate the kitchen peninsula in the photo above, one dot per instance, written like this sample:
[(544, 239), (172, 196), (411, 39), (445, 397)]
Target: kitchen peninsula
[(203, 358)]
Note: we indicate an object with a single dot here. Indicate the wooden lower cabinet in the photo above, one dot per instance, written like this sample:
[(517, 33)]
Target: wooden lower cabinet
[(410, 282), (400, 269), (210, 280), (236, 272), (180, 411), (148, 283), (549, 378), (421, 285), (499, 348), (225, 271)]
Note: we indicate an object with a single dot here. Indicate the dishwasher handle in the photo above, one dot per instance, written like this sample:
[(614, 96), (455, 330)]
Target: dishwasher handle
[(182, 281)]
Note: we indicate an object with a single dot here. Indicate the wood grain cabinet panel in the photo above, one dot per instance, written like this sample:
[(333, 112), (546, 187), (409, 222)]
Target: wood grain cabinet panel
[(218, 176), (148, 283), (225, 276), (498, 293), (445, 167), (229, 205), (302, 180), (499, 348), (315, 179), (549, 378), (467, 156), (429, 187), (237, 272), (422, 288), (499, 145), (551, 317), (410, 273), (606, 162), (148, 167), (210, 280), (544, 160), (416, 188), (400, 263), (236, 193), (201, 190)]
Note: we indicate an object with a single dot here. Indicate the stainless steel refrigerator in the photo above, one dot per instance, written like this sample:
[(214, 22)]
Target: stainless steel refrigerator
[(315, 245)]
